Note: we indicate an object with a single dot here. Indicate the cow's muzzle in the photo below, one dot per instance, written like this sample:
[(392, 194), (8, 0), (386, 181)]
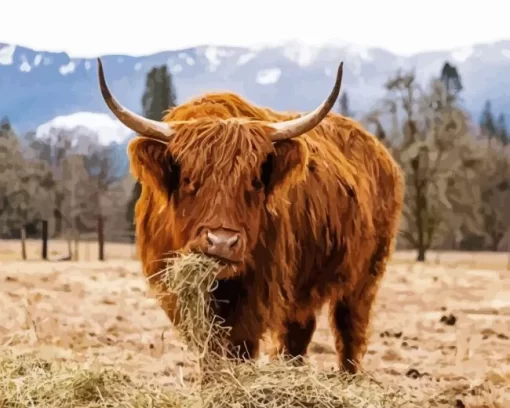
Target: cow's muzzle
[(225, 245)]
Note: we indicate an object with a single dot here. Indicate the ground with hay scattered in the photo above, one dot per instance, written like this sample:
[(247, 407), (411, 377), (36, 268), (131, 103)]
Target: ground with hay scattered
[(87, 334)]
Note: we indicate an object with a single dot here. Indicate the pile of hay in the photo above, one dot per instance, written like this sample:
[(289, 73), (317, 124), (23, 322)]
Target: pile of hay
[(280, 384), (250, 385), (27, 381)]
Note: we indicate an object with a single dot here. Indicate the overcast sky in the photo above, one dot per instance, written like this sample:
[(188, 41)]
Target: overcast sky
[(87, 28)]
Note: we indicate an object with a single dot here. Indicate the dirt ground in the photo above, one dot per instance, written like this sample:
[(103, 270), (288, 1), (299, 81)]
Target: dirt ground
[(442, 330)]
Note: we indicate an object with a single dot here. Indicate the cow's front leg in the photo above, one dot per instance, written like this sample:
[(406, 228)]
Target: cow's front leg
[(230, 304), (294, 336)]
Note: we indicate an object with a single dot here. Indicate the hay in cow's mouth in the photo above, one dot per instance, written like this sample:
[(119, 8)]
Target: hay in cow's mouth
[(192, 277)]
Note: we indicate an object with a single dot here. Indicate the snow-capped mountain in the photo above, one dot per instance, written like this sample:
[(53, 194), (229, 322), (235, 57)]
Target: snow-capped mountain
[(87, 132), (99, 128), (37, 86)]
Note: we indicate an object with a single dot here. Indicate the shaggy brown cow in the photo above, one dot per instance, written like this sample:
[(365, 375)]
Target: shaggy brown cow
[(300, 210)]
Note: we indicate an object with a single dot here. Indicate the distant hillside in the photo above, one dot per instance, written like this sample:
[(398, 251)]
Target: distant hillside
[(37, 86)]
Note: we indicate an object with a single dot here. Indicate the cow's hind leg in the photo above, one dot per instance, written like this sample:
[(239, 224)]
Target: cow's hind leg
[(295, 336), (350, 315)]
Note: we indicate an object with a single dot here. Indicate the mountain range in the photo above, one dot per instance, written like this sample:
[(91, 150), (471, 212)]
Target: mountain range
[(39, 89)]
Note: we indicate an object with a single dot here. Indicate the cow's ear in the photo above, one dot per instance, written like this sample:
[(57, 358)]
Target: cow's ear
[(283, 167), (152, 164)]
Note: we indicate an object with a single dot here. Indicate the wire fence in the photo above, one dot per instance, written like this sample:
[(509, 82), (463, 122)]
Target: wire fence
[(108, 241)]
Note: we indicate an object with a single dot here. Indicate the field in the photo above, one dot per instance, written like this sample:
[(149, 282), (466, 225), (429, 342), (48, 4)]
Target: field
[(440, 330)]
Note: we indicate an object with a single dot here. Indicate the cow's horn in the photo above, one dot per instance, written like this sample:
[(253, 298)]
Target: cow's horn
[(296, 127), (145, 127)]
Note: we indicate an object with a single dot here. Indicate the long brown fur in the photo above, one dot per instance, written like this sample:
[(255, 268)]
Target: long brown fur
[(322, 229)]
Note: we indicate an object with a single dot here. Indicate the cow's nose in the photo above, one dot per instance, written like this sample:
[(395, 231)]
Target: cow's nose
[(223, 244)]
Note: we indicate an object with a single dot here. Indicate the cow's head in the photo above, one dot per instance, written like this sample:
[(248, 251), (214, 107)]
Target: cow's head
[(216, 177)]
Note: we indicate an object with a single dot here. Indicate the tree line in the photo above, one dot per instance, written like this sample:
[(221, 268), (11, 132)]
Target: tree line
[(457, 172)]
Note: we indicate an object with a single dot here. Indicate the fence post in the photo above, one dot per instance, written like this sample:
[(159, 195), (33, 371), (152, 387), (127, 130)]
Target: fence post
[(100, 236), (45, 240), (508, 250), (23, 232)]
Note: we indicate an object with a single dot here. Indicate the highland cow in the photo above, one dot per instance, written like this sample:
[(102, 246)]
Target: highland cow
[(299, 209)]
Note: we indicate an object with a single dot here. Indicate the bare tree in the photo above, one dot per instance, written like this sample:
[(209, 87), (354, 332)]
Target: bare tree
[(53, 147), (77, 206), (494, 182), (39, 186), (26, 188), (103, 174), (13, 200), (115, 201), (431, 148)]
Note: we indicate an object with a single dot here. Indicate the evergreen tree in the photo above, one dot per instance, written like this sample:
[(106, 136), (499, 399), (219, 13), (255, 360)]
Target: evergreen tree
[(502, 131), (159, 96), (343, 103), (451, 80), (159, 93), (5, 126), (487, 123)]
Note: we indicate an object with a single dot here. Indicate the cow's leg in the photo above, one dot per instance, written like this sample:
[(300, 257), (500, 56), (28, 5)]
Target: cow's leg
[(350, 322), (242, 342), (243, 345), (350, 315), (243, 338), (294, 336)]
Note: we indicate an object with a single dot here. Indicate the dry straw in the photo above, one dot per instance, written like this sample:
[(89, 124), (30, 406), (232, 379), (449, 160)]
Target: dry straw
[(249, 385), (27, 381)]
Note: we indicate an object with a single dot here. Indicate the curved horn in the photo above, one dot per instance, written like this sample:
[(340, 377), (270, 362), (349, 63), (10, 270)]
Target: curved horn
[(145, 127), (296, 127)]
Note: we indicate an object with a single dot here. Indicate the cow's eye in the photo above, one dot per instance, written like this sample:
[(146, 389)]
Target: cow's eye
[(189, 187), (267, 169), (257, 184)]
